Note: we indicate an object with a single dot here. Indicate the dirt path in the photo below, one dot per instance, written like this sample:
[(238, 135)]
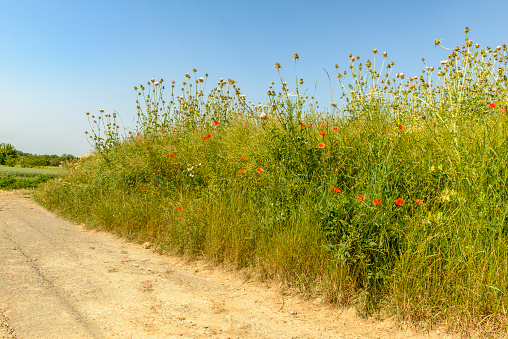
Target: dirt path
[(58, 280)]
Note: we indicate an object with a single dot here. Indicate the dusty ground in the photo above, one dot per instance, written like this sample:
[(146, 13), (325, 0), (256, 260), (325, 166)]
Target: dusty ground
[(58, 280)]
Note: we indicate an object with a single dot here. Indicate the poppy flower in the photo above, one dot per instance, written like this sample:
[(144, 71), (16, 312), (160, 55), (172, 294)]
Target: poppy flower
[(322, 125), (143, 190), (209, 136), (377, 201), (322, 134), (204, 138), (243, 158), (172, 155), (133, 224), (337, 190), (360, 197), (240, 171), (492, 105), (259, 170), (216, 123), (335, 128), (419, 201), (331, 188), (399, 201), (303, 125), (179, 207), (401, 127), (321, 145)]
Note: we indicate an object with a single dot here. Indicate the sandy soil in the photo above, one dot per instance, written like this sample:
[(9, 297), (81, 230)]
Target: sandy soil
[(58, 280)]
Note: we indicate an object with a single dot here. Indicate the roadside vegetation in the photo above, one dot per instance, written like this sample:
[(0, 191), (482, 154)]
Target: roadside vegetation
[(393, 199)]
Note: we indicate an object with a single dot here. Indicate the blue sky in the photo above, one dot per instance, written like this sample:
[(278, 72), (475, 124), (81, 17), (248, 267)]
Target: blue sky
[(61, 59)]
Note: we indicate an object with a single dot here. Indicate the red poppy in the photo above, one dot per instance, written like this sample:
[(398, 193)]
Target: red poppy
[(337, 190), (419, 201), (179, 207), (331, 188), (377, 201), (204, 138), (384, 128), (172, 155), (240, 171), (322, 125), (322, 134), (335, 128), (321, 145), (399, 201), (133, 224), (303, 125), (401, 127), (216, 123), (259, 170), (492, 105), (209, 136), (243, 158), (143, 190), (137, 206), (360, 197)]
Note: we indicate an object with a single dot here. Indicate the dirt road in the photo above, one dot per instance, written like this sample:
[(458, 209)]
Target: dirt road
[(58, 280)]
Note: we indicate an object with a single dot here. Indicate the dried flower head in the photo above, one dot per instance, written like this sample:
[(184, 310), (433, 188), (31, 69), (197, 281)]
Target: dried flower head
[(277, 65)]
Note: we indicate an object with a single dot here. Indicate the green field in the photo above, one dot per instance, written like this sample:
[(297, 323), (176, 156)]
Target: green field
[(51, 172), (19, 177)]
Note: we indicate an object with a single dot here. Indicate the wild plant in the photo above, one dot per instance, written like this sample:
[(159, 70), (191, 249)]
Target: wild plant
[(394, 195)]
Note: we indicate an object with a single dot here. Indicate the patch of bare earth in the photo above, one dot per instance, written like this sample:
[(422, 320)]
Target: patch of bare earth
[(58, 280)]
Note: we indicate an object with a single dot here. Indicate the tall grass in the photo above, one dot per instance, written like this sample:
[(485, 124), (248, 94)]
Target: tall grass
[(395, 199)]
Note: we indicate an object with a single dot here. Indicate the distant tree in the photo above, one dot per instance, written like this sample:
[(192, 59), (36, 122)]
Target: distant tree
[(7, 152)]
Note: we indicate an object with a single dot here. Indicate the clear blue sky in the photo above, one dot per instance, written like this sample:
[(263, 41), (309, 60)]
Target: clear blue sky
[(60, 59)]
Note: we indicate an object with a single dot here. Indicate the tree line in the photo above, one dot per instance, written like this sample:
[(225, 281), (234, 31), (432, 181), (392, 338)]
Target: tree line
[(10, 156)]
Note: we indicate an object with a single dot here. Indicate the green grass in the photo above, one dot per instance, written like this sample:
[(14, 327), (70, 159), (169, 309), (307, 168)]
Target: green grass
[(19, 177), (394, 202), (52, 172)]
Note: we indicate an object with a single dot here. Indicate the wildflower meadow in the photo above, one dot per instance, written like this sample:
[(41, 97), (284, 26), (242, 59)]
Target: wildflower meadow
[(392, 198)]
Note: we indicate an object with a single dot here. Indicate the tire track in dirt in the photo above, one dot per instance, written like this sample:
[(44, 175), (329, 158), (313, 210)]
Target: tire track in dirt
[(59, 280)]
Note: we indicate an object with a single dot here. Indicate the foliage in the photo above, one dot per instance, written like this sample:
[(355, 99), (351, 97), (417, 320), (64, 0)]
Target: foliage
[(7, 153), (394, 199)]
